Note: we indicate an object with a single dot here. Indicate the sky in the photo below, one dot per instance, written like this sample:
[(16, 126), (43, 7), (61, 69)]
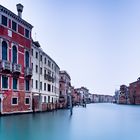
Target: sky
[(96, 41)]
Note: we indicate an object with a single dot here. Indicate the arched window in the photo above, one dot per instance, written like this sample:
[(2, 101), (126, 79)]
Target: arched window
[(27, 59), (4, 50), (14, 54)]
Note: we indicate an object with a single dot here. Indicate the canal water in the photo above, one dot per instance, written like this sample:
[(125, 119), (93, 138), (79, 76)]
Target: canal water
[(95, 122)]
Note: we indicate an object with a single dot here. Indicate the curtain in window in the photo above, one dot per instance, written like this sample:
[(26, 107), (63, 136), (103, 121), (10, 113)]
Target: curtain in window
[(27, 59), (14, 54), (4, 50)]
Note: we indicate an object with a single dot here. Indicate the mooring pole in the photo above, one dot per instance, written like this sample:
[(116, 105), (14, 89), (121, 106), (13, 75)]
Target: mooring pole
[(70, 103)]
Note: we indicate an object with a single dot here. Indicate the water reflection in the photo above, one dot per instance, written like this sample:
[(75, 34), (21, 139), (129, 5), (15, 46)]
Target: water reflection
[(96, 122)]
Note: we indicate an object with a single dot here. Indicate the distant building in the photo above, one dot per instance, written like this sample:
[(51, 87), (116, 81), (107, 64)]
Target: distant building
[(134, 91), (64, 88), (123, 95), (15, 62)]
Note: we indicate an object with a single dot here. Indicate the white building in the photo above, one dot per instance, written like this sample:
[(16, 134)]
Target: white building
[(45, 79)]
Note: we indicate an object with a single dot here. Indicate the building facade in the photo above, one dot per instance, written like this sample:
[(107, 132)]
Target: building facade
[(15, 66), (45, 80), (134, 92), (64, 88), (123, 95)]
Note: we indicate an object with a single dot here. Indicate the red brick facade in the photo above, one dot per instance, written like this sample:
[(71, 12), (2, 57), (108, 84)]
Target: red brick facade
[(16, 38)]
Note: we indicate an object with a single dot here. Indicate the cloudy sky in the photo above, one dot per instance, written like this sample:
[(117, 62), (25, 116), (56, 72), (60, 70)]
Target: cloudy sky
[(96, 41)]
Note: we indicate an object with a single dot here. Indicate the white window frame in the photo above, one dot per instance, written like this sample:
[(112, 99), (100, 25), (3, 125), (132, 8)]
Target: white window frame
[(12, 26), (12, 101), (17, 84), (7, 20), (7, 48), (1, 83), (25, 100), (13, 44), (29, 85)]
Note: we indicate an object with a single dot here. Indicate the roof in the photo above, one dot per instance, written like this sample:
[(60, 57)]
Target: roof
[(38, 46), (16, 17), (65, 72)]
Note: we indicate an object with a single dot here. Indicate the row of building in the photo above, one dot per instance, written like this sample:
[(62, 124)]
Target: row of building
[(30, 80), (128, 94)]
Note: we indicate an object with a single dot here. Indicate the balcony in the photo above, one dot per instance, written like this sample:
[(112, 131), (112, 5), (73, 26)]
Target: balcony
[(16, 68), (5, 65), (49, 78), (28, 72)]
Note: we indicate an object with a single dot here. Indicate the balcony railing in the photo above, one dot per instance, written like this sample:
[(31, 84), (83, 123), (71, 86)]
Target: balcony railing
[(49, 78), (16, 68), (5, 65), (28, 71)]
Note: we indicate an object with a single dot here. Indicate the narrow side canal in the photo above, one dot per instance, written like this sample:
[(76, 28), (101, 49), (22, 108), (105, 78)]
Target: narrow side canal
[(95, 122)]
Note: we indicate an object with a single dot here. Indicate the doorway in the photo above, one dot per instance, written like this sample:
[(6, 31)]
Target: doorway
[(0, 105)]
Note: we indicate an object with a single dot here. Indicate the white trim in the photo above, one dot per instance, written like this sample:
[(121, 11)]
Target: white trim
[(3, 39), (3, 14), (12, 45), (25, 85), (27, 111), (1, 83), (12, 101), (12, 25), (17, 84), (25, 50), (25, 100)]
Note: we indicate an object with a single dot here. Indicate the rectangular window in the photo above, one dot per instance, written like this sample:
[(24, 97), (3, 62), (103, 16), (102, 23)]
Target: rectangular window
[(32, 66), (52, 88), (36, 83), (27, 85), (20, 29), (45, 99), (45, 60), (14, 26), (40, 70), (48, 99), (40, 57), (27, 33), (27, 100), (49, 63), (32, 83), (15, 83), (40, 85), (4, 82), (36, 68), (45, 72), (44, 86), (32, 52), (49, 87), (4, 20), (15, 101), (36, 55)]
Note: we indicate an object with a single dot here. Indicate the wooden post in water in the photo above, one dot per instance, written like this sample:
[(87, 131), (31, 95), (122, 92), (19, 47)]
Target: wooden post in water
[(70, 102)]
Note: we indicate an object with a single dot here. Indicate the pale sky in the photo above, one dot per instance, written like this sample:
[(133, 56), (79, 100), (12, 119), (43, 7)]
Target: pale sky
[(96, 41)]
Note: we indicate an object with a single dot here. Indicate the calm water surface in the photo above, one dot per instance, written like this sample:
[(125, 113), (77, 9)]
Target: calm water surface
[(96, 122)]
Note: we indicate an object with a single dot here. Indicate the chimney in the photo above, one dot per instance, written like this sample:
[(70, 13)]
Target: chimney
[(19, 9)]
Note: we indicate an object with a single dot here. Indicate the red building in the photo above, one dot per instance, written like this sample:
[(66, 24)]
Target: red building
[(15, 67), (64, 88), (134, 91)]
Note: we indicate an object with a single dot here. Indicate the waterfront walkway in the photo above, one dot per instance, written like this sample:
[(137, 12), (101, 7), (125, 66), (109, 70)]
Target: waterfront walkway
[(95, 122)]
